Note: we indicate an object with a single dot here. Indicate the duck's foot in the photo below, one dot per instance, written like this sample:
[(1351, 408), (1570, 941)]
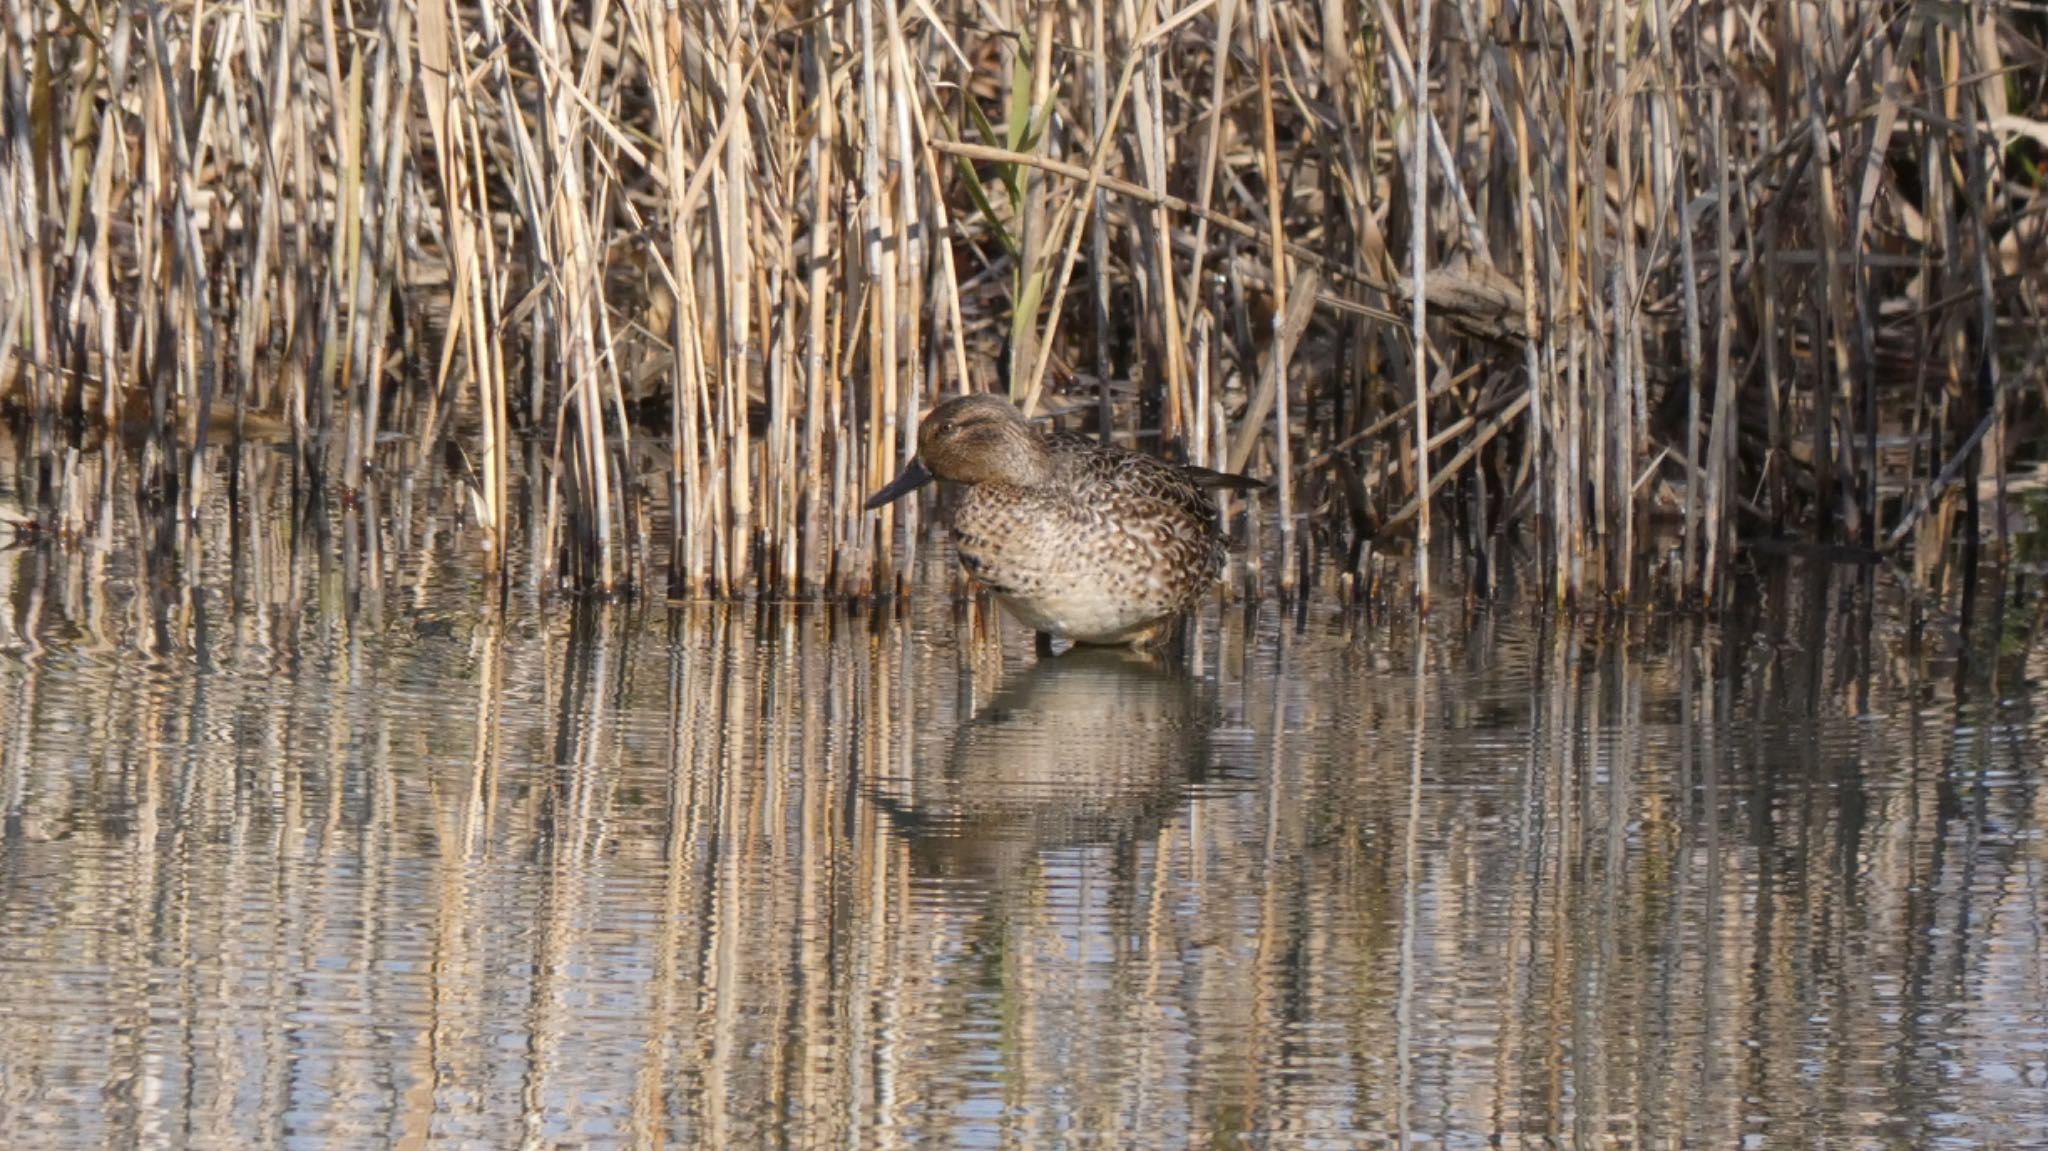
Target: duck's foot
[(1166, 639)]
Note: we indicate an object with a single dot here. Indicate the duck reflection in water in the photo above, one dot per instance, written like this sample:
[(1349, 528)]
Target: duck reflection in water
[(1097, 746)]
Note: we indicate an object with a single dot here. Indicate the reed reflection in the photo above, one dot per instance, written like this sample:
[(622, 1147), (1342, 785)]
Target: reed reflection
[(460, 871)]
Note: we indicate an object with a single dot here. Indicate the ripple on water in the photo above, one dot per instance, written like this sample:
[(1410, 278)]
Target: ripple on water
[(349, 876)]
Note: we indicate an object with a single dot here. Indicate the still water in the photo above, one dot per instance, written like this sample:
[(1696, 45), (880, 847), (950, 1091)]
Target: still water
[(291, 862)]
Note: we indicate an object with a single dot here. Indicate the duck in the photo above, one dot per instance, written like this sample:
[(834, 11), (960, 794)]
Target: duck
[(1077, 539)]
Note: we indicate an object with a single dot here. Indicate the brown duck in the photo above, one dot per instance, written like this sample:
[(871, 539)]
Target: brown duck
[(1078, 539)]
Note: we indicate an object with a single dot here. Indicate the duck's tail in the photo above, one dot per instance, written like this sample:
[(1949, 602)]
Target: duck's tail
[(1212, 480)]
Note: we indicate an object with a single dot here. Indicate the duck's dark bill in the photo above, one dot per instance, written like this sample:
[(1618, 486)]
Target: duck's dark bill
[(909, 480)]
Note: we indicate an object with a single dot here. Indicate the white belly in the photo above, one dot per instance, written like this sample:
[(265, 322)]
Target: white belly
[(1078, 615)]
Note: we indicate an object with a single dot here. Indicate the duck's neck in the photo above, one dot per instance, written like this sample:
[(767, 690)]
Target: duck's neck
[(1032, 464)]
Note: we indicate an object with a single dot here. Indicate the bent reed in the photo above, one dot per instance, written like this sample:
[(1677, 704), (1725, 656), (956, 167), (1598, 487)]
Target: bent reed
[(1667, 280)]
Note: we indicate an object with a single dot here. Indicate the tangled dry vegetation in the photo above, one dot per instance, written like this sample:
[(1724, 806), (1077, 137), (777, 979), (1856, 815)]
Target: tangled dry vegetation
[(1690, 275)]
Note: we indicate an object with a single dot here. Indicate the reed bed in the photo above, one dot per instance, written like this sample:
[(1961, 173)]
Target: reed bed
[(1666, 280)]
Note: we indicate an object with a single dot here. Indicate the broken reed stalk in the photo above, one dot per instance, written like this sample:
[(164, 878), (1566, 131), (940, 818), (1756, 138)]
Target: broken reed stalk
[(767, 237)]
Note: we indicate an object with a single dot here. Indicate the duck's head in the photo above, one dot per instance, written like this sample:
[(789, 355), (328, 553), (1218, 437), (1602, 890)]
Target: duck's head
[(975, 439)]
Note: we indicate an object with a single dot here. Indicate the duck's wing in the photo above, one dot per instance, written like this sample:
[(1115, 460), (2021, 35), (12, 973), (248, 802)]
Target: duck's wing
[(1094, 462), (1104, 475)]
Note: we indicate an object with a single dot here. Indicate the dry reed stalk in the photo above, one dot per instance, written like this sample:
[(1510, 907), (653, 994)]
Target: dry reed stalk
[(657, 37), (912, 221), (1154, 247), (736, 278), (820, 380), (1982, 54), (267, 168), (1147, 124), (895, 407), (793, 181), (1146, 38), (1035, 237), (25, 255), (1033, 349), (452, 121), (1721, 440), (1667, 126), (1622, 313), (340, 303), (942, 224), (191, 256), (1248, 274), (1418, 263), (1263, 33), (1212, 126), (391, 114)]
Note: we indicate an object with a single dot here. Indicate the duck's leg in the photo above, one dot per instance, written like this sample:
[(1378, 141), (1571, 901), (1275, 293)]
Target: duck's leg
[(1163, 637), (1043, 645)]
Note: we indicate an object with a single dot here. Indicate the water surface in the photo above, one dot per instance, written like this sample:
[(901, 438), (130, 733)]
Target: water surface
[(289, 860)]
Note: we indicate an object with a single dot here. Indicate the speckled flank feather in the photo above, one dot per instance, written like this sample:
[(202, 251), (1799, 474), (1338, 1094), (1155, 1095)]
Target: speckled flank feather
[(1090, 542)]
